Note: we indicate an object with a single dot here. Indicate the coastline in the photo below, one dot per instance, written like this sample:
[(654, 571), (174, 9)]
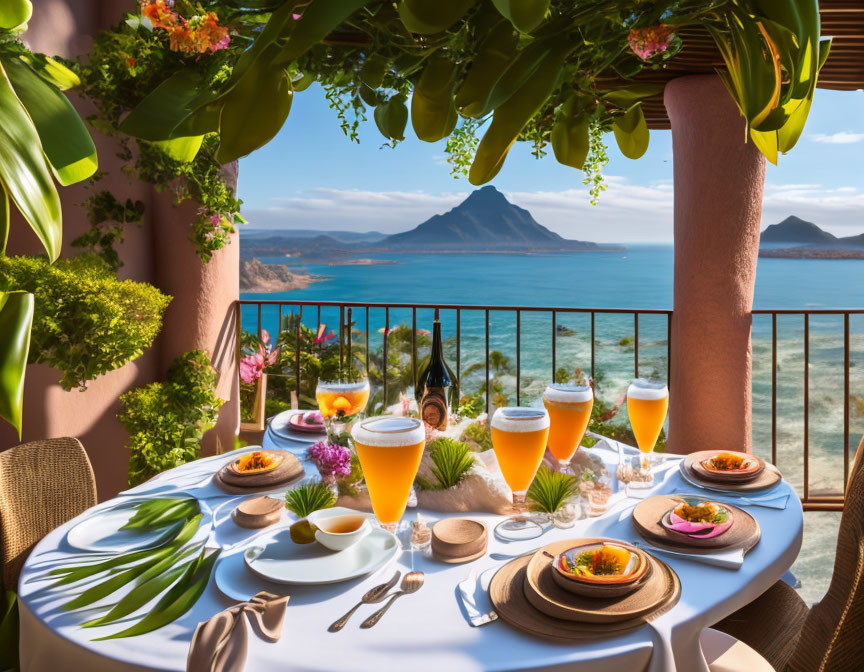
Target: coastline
[(810, 253)]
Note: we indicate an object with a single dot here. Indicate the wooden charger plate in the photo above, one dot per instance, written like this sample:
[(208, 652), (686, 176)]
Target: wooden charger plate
[(768, 478), (508, 597), (744, 533), (547, 596)]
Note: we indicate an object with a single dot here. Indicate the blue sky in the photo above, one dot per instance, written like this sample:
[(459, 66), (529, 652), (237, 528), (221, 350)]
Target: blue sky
[(312, 176)]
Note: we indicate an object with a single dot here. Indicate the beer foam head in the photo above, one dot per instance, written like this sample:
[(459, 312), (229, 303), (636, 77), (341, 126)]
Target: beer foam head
[(389, 430), (338, 386), (650, 390), (568, 394), (519, 419)]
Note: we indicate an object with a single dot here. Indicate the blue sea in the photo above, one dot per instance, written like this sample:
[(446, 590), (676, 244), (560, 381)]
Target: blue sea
[(640, 277)]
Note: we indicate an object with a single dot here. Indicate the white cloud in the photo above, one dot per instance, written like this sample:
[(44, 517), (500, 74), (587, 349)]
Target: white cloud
[(839, 138), (626, 211)]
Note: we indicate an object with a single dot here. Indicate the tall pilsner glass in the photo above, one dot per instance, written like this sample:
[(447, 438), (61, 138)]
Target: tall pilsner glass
[(519, 437), (389, 448), (647, 403), (569, 408)]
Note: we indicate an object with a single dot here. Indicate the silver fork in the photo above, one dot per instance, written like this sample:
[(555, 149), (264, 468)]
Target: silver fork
[(412, 582), (373, 596)]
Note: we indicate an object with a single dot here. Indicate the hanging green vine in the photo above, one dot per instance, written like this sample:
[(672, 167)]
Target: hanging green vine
[(595, 162)]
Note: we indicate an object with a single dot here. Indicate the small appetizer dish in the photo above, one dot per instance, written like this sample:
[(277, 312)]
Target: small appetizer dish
[(606, 569), (311, 421), (257, 462), (732, 465), (698, 519)]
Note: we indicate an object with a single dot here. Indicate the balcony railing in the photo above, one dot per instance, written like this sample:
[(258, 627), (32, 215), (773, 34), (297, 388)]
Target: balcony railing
[(792, 349)]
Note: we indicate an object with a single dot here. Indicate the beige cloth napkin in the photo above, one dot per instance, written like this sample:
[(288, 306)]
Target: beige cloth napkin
[(220, 644)]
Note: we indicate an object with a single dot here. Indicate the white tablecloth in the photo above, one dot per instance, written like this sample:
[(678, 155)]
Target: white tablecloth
[(426, 631)]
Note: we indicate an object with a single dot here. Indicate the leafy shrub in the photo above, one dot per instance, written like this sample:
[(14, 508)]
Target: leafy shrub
[(166, 420), (478, 433), (86, 321)]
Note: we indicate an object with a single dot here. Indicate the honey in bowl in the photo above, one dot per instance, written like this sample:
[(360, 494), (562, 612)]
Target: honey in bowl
[(341, 524)]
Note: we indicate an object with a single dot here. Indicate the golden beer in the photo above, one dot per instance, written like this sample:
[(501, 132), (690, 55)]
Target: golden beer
[(519, 437), (389, 448), (647, 403), (569, 408), (341, 399)]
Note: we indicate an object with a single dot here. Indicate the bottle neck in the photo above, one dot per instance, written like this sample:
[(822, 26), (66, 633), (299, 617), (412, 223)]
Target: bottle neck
[(437, 349)]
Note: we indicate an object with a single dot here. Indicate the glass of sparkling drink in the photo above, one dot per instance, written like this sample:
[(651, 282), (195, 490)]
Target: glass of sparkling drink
[(519, 438), (389, 448), (569, 408), (341, 402), (647, 403)]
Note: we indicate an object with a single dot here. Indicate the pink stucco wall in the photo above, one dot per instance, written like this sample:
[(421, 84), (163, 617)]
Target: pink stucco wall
[(719, 179), (200, 316)]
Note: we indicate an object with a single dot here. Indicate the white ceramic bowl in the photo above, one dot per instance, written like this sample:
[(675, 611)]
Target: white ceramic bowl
[(327, 536)]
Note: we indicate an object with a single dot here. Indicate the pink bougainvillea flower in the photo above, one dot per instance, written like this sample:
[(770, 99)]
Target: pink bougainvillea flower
[(648, 42), (324, 335), (252, 366), (331, 458)]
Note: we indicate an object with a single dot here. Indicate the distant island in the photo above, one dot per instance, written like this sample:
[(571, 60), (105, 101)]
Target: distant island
[(795, 238), (485, 222), (259, 278)]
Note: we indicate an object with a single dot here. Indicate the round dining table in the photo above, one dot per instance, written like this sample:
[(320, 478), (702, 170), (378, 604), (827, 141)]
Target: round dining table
[(427, 630)]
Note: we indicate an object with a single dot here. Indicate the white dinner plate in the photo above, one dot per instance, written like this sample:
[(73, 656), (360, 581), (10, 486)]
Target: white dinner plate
[(278, 559), (734, 493), (280, 428), (101, 531)]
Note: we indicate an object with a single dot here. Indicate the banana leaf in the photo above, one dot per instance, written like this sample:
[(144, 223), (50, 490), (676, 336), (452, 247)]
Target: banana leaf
[(54, 72), (65, 140), (24, 172), (177, 601), (631, 132), (16, 318), (153, 513), (4, 219)]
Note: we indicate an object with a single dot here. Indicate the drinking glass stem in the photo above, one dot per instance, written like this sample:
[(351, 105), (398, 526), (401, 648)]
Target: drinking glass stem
[(519, 505)]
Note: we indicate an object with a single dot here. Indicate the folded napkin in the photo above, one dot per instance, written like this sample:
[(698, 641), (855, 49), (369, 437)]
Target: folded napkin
[(474, 593), (220, 644), (730, 559)]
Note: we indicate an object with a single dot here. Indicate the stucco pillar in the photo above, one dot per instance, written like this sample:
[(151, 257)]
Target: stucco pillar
[(203, 313), (719, 179)]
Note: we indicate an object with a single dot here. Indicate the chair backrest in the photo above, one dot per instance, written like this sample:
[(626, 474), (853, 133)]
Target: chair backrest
[(42, 485), (832, 639)]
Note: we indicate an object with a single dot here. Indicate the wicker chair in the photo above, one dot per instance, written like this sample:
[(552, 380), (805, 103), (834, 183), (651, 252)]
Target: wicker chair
[(42, 485), (830, 636)]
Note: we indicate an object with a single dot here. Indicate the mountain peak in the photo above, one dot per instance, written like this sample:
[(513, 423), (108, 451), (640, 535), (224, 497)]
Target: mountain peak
[(796, 230), (485, 220)]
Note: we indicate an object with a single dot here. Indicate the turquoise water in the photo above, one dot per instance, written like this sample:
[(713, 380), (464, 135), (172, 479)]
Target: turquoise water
[(640, 277)]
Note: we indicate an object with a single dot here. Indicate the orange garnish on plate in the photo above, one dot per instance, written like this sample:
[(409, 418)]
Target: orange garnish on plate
[(727, 462), (257, 462)]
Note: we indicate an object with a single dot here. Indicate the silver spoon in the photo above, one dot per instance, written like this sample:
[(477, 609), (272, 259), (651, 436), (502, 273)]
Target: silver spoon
[(373, 596), (412, 582)]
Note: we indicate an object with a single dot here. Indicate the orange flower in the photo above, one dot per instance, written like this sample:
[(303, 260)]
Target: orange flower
[(160, 14)]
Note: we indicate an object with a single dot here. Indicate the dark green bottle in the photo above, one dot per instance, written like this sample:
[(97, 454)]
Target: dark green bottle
[(436, 384)]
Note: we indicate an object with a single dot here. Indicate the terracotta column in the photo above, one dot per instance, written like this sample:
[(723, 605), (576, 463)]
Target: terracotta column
[(202, 314), (719, 179)]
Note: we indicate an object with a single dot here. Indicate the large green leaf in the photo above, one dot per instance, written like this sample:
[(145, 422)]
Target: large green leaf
[(254, 110), (177, 601), (428, 18), (570, 135), (631, 132), (65, 140), (526, 15), (24, 172), (184, 148), (632, 93), (16, 318), (319, 18)]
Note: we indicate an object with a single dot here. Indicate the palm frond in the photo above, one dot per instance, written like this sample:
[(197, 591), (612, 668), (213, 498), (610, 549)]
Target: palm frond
[(453, 459), (308, 497), (550, 490)]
